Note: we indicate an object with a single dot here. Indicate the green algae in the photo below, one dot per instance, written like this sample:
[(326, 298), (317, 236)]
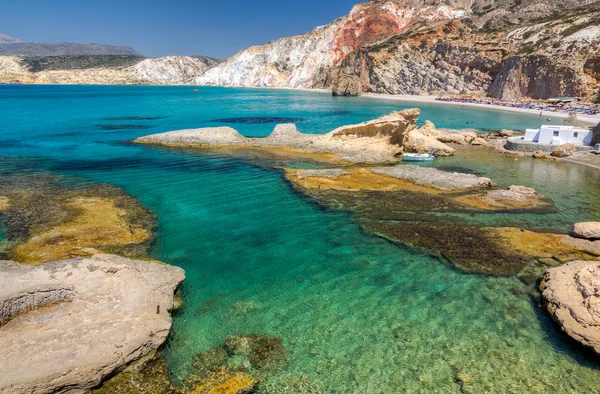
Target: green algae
[(147, 376)]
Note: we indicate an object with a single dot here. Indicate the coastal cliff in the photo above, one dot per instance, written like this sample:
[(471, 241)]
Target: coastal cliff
[(506, 49), (103, 69)]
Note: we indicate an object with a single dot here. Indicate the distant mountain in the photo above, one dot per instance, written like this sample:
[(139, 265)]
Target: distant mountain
[(4, 39), (12, 47)]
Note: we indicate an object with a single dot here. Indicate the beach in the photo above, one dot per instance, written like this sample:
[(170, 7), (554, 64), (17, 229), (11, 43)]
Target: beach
[(587, 119)]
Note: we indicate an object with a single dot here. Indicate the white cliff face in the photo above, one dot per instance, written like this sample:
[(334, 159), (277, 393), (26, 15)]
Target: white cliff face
[(171, 70), (295, 61)]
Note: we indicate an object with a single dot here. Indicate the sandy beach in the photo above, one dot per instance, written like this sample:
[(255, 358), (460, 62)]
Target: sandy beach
[(588, 119)]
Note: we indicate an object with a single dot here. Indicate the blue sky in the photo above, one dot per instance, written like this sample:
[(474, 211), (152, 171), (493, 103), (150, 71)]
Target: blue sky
[(217, 28)]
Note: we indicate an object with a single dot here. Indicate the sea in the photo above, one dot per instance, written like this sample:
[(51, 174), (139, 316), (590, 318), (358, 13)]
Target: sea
[(356, 313)]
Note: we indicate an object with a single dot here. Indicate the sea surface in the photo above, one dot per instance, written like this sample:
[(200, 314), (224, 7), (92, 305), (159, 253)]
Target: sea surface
[(357, 314)]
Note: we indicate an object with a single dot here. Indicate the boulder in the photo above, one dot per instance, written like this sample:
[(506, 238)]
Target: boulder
[(417, 142), (506, 133), (68, 325), (565, 150), (572, 298), (479, 141), (587, 230), (204, 136), (394, 126)]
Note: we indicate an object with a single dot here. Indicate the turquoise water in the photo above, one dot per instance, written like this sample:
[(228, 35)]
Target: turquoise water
[(357, 314)]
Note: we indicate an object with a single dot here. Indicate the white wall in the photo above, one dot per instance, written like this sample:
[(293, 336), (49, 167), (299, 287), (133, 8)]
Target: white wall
[(566, 135)]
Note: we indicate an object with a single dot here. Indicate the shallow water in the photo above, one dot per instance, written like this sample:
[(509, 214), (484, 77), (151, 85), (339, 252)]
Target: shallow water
[(357, 314)]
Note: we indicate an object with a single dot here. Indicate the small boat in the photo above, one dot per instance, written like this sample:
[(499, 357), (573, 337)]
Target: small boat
[(418, 156), (196, 90)]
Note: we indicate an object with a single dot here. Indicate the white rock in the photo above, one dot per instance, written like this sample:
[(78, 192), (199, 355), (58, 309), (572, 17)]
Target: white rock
[(67, 325)]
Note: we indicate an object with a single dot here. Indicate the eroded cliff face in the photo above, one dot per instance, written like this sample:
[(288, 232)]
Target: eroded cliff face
[(171, 70), (296, 61), (503, 48)]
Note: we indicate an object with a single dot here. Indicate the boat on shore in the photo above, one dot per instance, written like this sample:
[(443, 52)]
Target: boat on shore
[(418, 156)]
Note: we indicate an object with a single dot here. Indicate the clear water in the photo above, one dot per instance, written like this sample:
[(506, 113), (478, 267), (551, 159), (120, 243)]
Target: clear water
[(358, 314)]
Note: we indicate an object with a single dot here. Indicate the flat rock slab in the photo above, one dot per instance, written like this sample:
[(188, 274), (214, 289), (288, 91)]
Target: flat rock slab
[(435, 178), (572, 294), (66, 325), (375, 141), (589, 230)]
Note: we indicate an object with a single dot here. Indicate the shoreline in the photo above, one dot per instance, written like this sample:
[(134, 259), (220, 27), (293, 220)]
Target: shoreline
[(588, 119)]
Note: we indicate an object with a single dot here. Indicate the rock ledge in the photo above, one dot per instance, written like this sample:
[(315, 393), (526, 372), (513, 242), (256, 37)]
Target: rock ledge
[(67, 325), (572, 295)]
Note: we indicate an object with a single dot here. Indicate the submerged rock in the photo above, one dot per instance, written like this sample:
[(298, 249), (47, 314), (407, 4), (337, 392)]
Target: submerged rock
[(47, 221), (224, 381), (572, 297), (149, 376), (588, 230), (69, 324), (263, 352)]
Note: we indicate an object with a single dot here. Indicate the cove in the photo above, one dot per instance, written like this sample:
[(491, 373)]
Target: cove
[(357, 313)]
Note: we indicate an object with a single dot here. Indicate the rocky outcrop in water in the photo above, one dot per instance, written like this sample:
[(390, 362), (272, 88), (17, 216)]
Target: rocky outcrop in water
[(588, 230), (374, 141), (573, 299), (67, 325)]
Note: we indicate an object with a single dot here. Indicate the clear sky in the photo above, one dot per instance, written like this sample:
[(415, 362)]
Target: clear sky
[(216, 28)]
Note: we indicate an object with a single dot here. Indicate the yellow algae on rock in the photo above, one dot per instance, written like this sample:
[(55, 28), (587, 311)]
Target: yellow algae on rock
[(4, 202), (98, 223), (353, 179), (223, 381), (534, 245)]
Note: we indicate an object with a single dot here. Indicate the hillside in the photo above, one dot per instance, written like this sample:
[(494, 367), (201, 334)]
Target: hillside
[(62, 49), (103, 69), (503, 48), (4, 39)]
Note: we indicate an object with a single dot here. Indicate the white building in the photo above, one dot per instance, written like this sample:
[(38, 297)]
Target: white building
[(558, 135)]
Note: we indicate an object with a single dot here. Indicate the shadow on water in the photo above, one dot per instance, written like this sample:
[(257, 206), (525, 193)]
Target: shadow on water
[(258, 120), (136, 118), (123, 127)]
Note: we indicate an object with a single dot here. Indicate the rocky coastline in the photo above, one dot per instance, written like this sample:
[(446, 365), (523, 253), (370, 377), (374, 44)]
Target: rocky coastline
[(72, 316)]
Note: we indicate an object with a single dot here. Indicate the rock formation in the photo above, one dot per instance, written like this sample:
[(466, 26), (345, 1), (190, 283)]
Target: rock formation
[(498, 48), (67, 325), (107, 69), (587, 230), (441, 180), (375, 141), (573, 299)]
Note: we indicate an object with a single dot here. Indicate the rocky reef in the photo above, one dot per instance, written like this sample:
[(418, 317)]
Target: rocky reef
[(79, 297), (376, 141), (572, 299), (47, 221), (414, 206)]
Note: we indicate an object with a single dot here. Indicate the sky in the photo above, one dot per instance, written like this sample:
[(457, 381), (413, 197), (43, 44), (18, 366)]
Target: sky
[(217, 28)]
